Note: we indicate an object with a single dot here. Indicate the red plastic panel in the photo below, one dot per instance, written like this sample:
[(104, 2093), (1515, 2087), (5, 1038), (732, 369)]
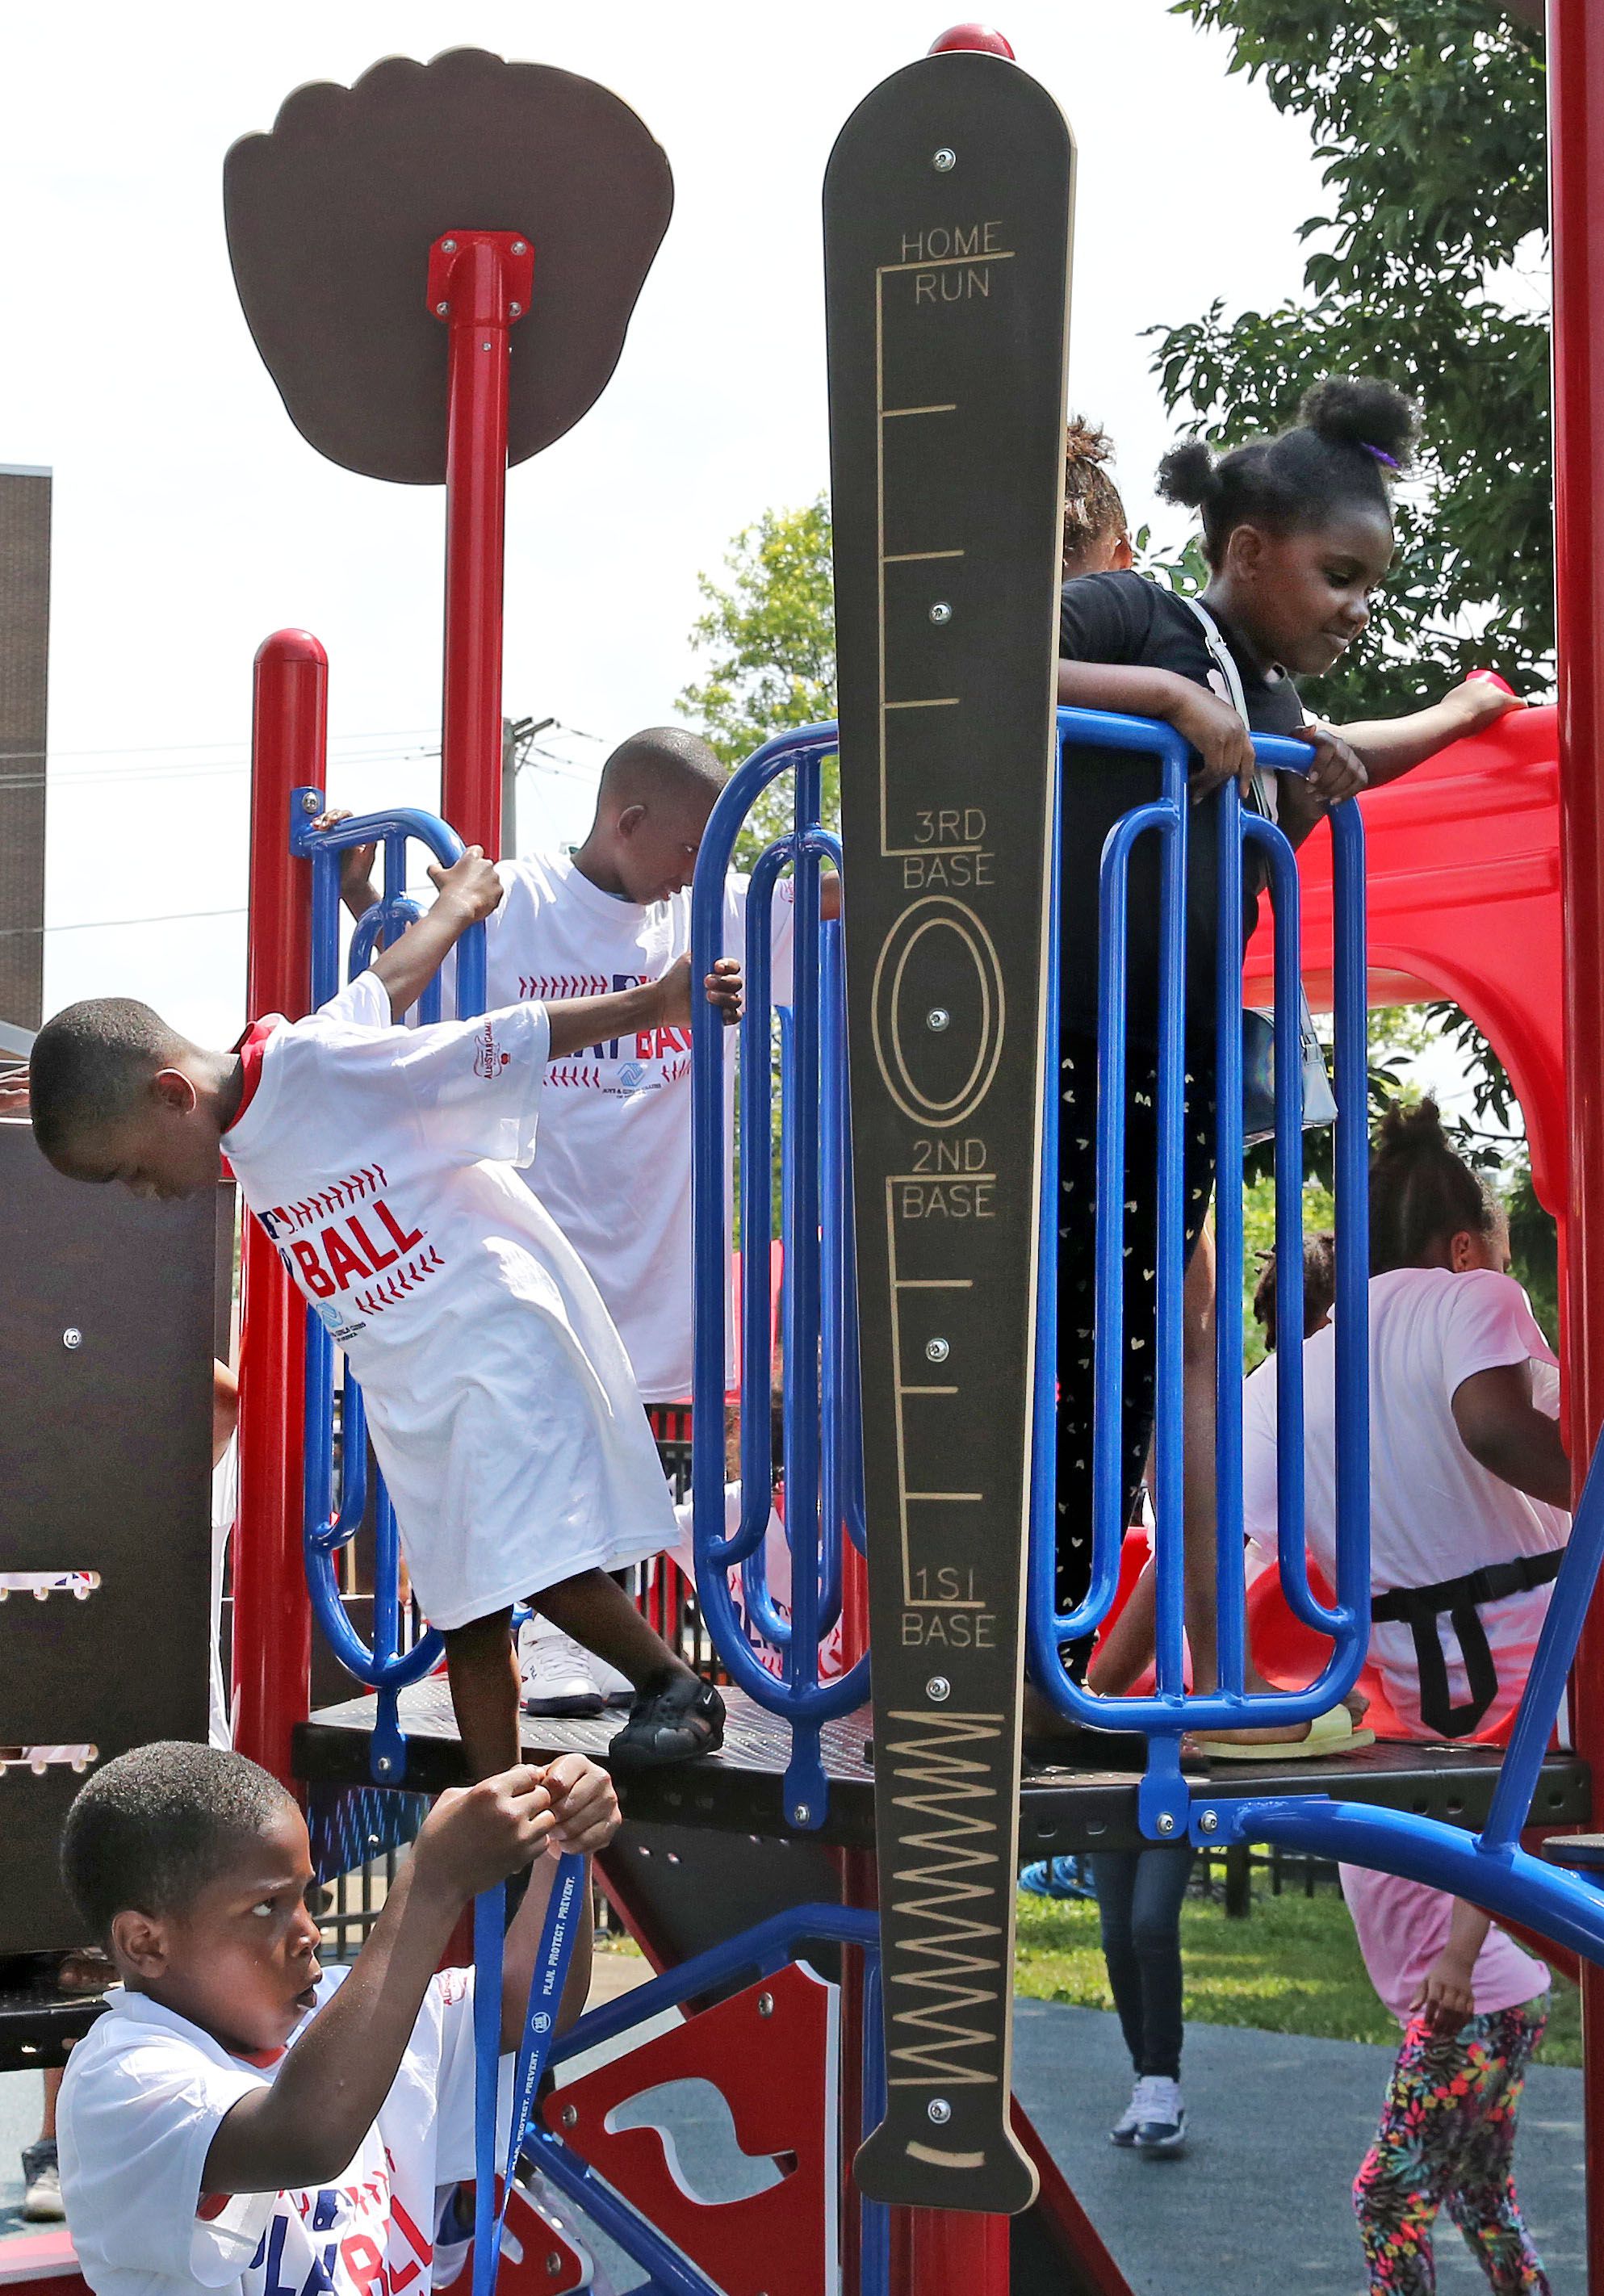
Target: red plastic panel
[(772, 2053)]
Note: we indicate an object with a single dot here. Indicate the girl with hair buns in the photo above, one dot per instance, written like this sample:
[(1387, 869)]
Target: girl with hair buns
[(1469, 1490), (1298, 533)]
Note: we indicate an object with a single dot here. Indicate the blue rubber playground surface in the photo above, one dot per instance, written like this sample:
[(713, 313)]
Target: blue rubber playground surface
[(1259, 2206)]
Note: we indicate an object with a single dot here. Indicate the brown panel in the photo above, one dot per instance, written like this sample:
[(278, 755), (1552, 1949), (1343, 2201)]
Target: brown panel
[(330, 218), (105, 1465), (24, 652), (946, 237)]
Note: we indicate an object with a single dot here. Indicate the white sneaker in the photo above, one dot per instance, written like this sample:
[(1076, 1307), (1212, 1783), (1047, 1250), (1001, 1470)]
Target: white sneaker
[(1124, 2131), (557, 1676), (41, 2183), (1160, 2116), (616, 1689)]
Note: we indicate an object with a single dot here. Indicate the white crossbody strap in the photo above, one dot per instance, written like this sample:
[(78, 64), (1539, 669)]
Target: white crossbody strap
[(1225, 662)]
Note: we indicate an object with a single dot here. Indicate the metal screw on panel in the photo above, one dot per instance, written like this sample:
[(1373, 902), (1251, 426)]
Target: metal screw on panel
[(520, 247), (938, 1688), (1209, 1823), (448, 247), (383, 1765), (553, 2263), (72, 1337), (939, 2110), (801, 1814), (311, 802), (1166, 1823), (487, 347), (516, 309), (936, 1351), (945, 160), (941, 612), (441, 309), (765, 2005), (937, 1018), (570, 2116)]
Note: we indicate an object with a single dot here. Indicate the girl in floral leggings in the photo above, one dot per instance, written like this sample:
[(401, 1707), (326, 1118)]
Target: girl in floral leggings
[(1473, 2007)]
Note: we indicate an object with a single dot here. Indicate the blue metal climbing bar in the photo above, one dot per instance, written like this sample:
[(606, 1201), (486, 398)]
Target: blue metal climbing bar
[(392, 1663), (1172, 1708), (777, 1655)]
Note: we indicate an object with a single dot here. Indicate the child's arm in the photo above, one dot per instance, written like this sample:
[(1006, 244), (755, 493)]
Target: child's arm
[(1505, 1432), (358, 864), (1446, 1994), (305, 2126), (576, 1021), (1201, 718), (1209, 725), (466, 894), (586, 1810), (225, 1407), (1392, 746)]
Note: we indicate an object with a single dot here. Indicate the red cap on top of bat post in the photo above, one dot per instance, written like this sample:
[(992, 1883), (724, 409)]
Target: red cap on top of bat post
[(982, 37)]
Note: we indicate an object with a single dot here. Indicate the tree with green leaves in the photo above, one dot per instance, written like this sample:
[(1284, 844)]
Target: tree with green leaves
[(770, 639), (1429, 269)]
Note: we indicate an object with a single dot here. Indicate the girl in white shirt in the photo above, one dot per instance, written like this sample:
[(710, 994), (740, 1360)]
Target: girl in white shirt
[(1469, 1486)]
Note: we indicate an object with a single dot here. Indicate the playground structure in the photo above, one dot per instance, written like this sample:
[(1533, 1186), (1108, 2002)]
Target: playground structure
[(758, 1866)]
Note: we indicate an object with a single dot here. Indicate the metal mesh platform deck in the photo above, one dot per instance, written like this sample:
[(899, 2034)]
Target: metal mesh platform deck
[(738, 1790)]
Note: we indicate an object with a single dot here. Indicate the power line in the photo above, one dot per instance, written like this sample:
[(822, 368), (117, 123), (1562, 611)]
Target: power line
[(223, 741), (106, 924), (346, 760)]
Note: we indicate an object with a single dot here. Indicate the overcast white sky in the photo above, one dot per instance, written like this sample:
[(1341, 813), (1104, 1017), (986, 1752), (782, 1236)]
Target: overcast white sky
[(191, 519)]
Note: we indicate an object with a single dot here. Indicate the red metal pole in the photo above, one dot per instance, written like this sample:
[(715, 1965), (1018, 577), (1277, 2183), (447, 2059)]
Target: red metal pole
[(480, 282), (271, 1617), (950, 2254), (1576, 79)]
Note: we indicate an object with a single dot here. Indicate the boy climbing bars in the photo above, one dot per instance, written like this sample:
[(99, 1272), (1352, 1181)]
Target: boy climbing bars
[(240, 2118), (380, 1160)]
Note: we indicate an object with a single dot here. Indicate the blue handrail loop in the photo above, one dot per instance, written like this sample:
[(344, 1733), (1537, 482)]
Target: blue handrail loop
[(1172, 1710), (385, 1667), (821, 1421)]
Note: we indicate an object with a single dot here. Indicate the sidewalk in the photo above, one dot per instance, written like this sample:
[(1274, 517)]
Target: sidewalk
[(1259, 2206)]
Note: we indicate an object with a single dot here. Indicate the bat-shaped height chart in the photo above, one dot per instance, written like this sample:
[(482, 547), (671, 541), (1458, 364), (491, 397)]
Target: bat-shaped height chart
[(946, 237)]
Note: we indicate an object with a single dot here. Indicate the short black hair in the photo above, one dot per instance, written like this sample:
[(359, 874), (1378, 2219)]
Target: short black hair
[(660, 759), (1330, 461), (148, 1831), (89, 1065)]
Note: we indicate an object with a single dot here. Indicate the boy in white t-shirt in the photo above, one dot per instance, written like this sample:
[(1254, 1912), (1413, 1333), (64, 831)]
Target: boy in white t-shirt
[(499, 1398), (239, 2119), (615, 1147)]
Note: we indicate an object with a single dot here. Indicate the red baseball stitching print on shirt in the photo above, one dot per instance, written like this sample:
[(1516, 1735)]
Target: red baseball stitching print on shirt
[(561, 986), (354, 1188), (395, 1288)]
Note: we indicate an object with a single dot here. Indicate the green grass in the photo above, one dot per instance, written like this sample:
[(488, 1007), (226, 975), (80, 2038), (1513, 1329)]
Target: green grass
[(1293, 1967)]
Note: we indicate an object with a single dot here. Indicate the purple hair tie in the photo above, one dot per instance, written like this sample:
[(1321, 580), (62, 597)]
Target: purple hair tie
[(1379, 454)]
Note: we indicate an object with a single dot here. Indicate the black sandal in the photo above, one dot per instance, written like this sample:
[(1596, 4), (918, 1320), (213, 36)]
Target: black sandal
[(685, 1719)]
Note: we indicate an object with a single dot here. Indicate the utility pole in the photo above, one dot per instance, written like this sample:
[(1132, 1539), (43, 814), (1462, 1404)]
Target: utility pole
[(518, 738)]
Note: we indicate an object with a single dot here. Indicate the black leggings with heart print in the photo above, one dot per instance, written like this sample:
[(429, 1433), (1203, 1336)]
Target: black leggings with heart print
[(1078, 1208)]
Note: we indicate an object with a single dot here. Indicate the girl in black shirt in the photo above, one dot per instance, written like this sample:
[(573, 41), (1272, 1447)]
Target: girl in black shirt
[(1298, 532)]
